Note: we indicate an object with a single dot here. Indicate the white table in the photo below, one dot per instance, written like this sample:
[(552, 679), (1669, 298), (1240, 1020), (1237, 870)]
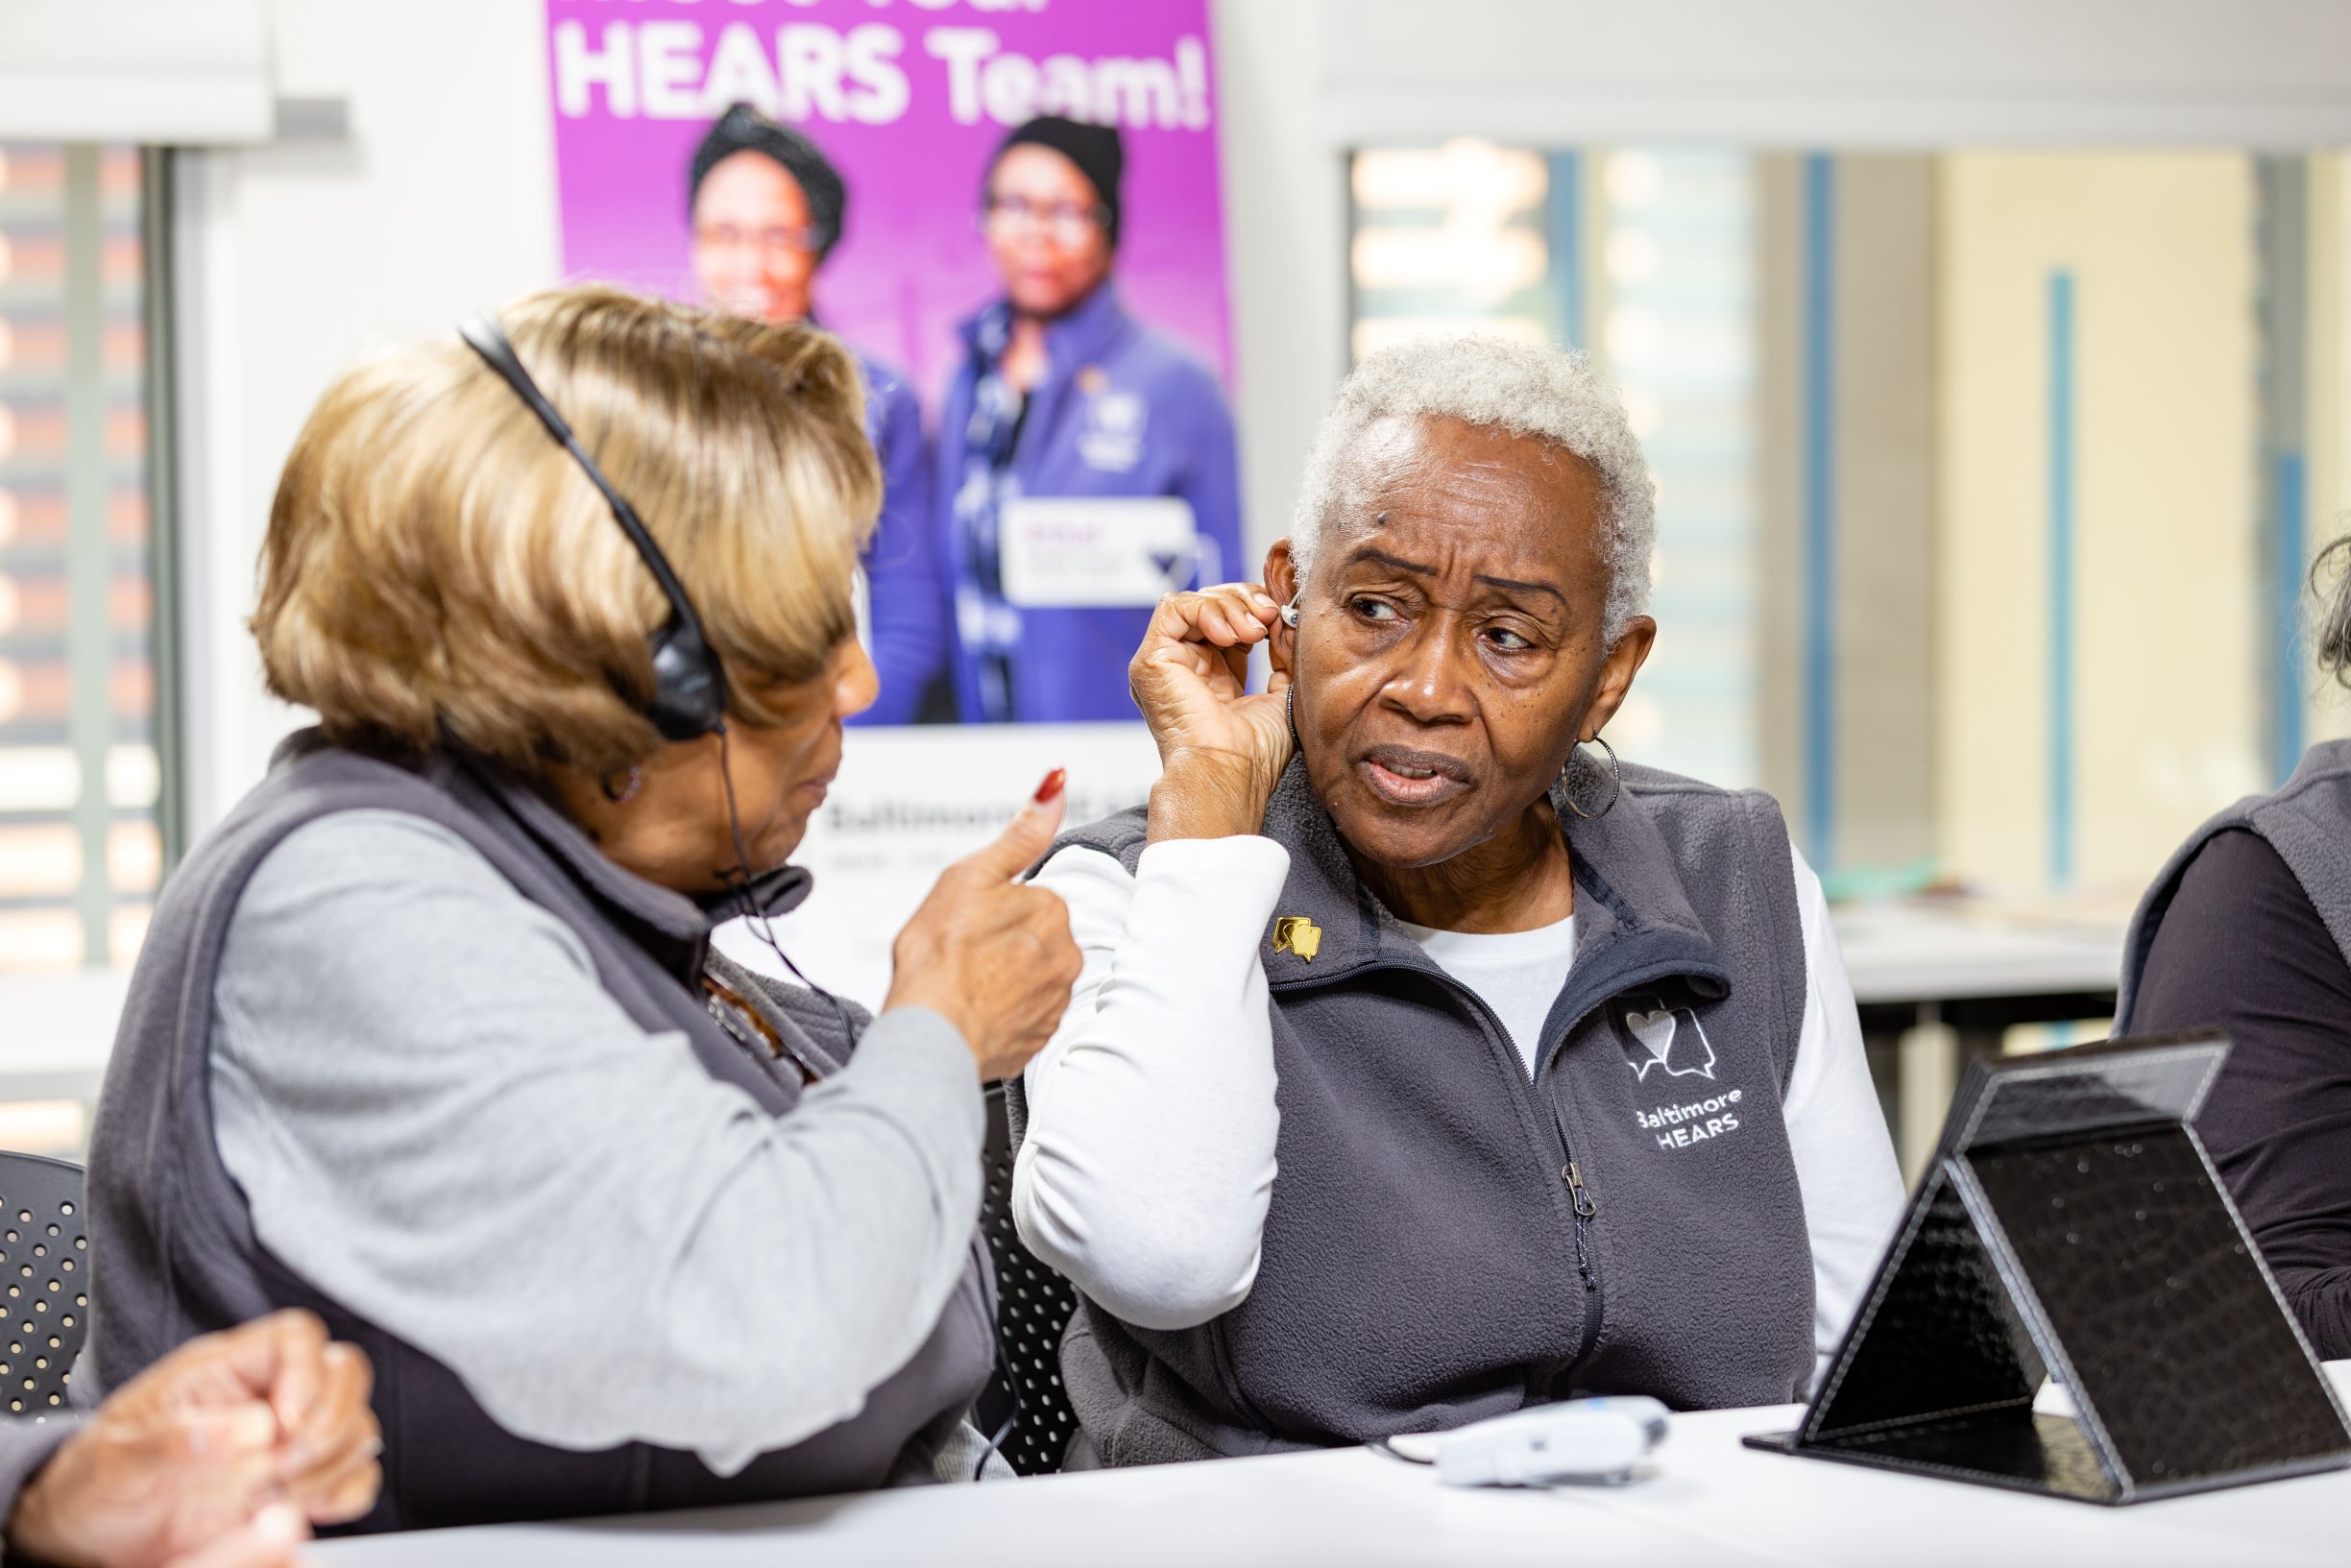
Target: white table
[(1710, 1502), (1945, 977), (1926, 949)]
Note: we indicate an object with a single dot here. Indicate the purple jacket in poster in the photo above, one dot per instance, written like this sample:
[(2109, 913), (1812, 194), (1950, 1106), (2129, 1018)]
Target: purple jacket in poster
[(907, 596), (1124, 411)]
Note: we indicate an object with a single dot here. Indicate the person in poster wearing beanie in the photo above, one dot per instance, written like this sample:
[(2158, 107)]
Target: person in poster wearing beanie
[(1087, 462), (768, 207)]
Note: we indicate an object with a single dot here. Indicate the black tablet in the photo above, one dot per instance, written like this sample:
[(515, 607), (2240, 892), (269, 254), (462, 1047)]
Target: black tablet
[(2072, 1230)]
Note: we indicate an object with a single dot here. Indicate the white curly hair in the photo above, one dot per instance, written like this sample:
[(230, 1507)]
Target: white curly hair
[(1527, 389)]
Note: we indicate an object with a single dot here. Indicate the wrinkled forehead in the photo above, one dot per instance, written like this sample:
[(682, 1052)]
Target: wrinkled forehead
[(1474, 493)]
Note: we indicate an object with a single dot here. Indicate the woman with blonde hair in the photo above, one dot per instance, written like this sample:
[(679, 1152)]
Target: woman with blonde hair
[(428, 1036)]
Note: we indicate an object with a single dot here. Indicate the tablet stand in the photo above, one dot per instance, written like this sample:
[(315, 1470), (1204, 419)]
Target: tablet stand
[(2071, 1228)]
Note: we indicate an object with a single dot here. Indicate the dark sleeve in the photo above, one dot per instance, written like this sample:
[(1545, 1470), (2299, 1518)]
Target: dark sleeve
[(2243, 951)]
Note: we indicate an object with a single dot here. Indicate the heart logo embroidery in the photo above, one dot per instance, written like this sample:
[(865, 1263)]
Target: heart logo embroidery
[(1670, 1038), (1654, 1030)]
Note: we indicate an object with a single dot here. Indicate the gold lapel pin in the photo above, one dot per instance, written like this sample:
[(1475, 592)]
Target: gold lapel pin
[(1296, 933)]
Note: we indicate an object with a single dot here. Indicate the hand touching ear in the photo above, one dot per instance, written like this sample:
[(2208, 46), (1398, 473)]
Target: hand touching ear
[(1222, 749)]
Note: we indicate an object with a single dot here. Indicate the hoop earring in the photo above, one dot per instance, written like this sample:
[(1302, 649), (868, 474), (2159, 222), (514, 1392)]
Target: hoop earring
[(1615, 774), (626, 791)]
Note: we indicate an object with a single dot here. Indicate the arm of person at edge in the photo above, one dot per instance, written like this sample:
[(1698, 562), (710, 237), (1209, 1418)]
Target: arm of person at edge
[(1148, 1162), (2243, 951), (222, 1454), (907, 601), (664, 1261)]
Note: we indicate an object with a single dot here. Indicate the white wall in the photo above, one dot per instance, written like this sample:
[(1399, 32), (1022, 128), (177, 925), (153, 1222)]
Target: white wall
[(1846, 73), (2163, 732), (1285, 235), (302, 258), (135, 70)]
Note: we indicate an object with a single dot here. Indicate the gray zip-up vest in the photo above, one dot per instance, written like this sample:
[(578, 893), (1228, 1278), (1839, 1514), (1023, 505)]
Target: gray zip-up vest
[(173, 1251), (1449, 1240), (2307, 823)]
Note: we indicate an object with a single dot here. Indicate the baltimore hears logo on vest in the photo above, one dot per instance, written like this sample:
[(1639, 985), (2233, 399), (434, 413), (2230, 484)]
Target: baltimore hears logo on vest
[(1655, 1035)]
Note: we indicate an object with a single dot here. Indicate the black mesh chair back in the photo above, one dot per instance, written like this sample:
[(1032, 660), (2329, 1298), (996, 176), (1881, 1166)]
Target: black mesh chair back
[(1033, 1305), (44, 1259)]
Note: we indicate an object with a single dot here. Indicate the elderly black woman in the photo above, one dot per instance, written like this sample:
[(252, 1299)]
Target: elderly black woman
[(428, 1037), (1426, 1065)]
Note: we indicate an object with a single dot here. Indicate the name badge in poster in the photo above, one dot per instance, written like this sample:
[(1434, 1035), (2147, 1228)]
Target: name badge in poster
[(1073, 552)]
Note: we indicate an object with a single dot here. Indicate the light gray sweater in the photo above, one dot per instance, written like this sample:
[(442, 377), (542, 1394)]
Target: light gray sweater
[(604, 1243)]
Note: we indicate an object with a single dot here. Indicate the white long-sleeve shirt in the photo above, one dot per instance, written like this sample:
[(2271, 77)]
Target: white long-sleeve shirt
[(1147, 1164)]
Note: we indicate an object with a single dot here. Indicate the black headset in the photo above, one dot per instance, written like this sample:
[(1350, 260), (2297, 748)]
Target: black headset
[(690, 688)]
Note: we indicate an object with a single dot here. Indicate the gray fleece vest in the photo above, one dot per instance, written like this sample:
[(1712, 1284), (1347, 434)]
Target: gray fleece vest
[(1427, 1261), (173, 1251), (2307, 823)]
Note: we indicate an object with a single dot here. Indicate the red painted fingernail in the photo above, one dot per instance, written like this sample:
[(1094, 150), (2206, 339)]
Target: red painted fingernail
[(1052, 785)]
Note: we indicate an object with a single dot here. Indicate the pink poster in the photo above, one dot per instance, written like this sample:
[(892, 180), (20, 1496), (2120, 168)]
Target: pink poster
[(907, 99), (1024, 537)]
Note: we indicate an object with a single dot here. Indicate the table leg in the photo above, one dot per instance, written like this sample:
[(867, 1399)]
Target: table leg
[(1929, 1076)]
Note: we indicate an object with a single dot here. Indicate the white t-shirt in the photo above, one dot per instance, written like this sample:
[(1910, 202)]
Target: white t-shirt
[(1517, 974)]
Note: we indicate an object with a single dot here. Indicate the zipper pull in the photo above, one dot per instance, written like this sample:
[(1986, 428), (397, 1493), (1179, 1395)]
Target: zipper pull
[(1585, 1207)]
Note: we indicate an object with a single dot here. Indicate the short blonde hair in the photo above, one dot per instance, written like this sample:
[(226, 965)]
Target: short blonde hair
[(439, 572)]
